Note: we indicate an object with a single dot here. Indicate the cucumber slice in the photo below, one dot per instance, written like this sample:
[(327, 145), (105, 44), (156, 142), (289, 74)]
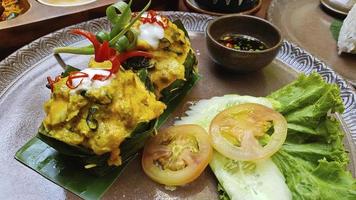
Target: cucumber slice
[(247, 180)]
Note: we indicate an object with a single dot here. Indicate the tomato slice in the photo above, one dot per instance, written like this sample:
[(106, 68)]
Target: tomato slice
[(177, 155), (240, 132)]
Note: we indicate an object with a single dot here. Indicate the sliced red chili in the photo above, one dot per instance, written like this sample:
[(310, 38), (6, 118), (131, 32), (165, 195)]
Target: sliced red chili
[(115, 67), (126, 55), (115, 64), (102, 51), (90, 36), (163, 23), (52, 82), (105, 52), (75, 75), (152, 17), (100, 77)]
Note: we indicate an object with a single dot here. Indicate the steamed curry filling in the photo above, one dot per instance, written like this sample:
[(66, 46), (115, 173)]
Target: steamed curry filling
[(100, 118), (168, 58)]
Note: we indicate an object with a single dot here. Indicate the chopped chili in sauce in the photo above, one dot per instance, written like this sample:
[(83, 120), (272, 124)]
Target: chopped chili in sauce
[(242, 42)]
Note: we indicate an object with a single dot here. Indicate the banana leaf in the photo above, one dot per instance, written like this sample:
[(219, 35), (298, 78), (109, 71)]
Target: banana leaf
[(180, 25), (144, 77), (85, 157), (54, 166)]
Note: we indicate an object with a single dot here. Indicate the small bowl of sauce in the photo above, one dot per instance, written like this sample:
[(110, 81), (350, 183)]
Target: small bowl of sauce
[(242, 43)]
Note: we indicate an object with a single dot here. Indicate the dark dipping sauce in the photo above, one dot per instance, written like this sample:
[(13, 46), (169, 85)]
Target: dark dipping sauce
[(242, 42)]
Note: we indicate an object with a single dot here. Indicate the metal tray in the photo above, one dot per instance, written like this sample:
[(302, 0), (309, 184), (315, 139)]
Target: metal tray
[(22, 94)]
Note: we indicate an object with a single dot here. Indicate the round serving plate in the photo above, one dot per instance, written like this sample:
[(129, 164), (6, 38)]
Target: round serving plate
[(339, 7), (23, 92), (304, 23), (65, 3)]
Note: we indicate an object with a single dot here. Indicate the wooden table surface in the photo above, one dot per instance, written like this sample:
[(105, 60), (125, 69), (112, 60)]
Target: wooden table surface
[(61, 22)]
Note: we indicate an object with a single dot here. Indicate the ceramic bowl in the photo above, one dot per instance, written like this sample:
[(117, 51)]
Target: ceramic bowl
[(239, 60), (227, 5)]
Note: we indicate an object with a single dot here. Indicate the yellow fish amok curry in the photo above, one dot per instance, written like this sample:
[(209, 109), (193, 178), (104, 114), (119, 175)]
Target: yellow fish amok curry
[(98, 110), (102, 118)]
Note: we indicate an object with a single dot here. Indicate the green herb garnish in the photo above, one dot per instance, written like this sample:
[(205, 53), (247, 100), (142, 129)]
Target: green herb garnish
[(335, 28)]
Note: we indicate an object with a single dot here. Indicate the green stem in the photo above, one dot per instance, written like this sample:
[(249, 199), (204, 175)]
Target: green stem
[(88, 50)]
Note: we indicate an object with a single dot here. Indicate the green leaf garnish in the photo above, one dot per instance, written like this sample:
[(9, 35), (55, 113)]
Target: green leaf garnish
[(91, 121), (335, 28), (102, 36), (144, 77), (127, 27), (180, 25), (122, 44), (68, 70), (119, 21)]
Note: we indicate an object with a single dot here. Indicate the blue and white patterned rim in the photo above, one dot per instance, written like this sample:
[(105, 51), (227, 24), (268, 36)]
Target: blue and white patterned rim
[(300, 60)]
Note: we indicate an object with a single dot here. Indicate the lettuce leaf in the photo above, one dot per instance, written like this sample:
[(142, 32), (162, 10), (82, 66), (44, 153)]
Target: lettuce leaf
[(304, 92), (313, 159), (335, 28), (315, 180), (306, 103)]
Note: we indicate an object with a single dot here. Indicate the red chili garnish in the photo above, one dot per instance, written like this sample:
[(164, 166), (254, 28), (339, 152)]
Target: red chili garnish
[(105, 52), (100, 77), (115, 67), (102, 51), (115, 64), (75, 75), (152, 17), (90, 36), (52, 82), (118, 59), (126, 55)]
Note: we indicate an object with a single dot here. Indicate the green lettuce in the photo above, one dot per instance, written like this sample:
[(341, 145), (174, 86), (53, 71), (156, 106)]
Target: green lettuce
[(313, 158)]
